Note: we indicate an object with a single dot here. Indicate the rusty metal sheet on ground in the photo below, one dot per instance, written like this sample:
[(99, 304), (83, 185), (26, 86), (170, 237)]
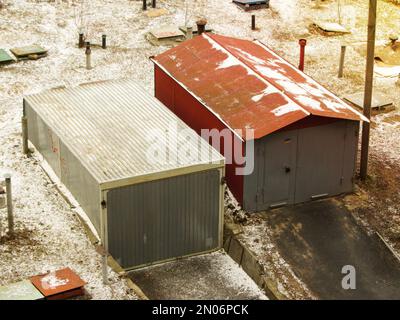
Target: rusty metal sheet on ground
[(22, 290), (57, 282), (28, 50)]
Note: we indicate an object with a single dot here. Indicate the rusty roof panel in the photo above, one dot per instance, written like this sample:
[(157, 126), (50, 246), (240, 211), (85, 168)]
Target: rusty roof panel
[(247, 85), (57, 282)]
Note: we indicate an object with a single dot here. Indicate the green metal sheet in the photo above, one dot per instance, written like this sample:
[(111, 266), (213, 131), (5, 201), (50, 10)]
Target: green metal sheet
[(5, 57), (28, 50), (22, 290)]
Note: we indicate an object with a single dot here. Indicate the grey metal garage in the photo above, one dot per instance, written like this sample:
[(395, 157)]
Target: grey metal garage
[(96, 139)]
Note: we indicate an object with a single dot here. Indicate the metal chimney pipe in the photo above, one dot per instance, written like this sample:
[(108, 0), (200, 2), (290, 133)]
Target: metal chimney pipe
[(253, 22), (81, 41), (201, 26), (302, 43), (88, 54)]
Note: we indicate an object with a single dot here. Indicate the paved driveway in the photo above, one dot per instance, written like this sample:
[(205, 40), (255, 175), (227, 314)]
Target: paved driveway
[(317, 239)]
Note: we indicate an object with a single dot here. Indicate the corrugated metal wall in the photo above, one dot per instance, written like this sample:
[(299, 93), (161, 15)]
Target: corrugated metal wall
[(164, 219), (70, 171), (299, 165)]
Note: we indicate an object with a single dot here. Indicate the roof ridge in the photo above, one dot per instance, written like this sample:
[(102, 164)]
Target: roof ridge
[(257, 74), (302, 106), (308, 77)]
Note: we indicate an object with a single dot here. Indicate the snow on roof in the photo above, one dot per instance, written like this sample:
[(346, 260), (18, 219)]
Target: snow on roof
[(247, 85), (112, 126)]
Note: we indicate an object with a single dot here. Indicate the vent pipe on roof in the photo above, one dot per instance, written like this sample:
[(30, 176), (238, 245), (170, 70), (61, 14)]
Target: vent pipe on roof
[(201, 26), (302, 43)]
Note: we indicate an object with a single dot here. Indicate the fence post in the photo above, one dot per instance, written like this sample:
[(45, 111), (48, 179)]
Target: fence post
[(9, 205), (341, 63)]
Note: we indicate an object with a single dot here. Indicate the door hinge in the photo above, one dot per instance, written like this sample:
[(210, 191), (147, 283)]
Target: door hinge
[(104, 204)]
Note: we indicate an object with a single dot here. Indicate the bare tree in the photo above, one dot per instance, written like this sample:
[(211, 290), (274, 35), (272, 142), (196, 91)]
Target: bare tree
[(81, 15)]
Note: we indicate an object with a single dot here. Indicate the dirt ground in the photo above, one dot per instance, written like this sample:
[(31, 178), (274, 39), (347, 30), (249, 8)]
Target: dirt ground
[(210, 276), (50, 234)]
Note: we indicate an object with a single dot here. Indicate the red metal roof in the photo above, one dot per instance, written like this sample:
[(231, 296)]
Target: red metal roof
[(247, 85)]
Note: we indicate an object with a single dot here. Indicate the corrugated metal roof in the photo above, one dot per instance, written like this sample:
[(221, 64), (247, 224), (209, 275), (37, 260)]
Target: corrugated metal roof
[(110, 127), (247, 85)]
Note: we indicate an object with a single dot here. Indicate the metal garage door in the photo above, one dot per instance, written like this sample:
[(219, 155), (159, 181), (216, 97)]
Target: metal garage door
[(305, 164), (276, 165), (320, 161), (164, 219)]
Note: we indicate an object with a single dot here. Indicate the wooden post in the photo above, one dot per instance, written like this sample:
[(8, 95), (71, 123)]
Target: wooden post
[(341, 63), (9, 205), (253, 22), (189, 33), (144, 4), (369, 78), (104, 41), (153, 3), (24, 122)]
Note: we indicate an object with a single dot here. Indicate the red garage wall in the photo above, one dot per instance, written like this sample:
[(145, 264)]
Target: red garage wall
[(196, 116)]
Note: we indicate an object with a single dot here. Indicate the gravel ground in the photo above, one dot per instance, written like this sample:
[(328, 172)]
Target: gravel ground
[(49, 234)]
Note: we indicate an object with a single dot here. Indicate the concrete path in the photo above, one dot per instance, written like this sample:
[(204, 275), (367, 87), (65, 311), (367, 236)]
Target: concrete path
[(319, 238), (210, 276)]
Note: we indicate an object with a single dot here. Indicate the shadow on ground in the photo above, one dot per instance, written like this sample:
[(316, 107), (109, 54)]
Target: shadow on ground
[(317, 239)]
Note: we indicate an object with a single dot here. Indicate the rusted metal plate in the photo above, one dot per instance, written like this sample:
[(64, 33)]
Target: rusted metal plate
[(167, 32), (22, 290), (247, 85), (5, 57), (22, 52), (58, 283)]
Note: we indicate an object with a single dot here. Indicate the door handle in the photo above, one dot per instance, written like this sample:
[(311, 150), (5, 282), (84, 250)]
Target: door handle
[(287, 169)]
